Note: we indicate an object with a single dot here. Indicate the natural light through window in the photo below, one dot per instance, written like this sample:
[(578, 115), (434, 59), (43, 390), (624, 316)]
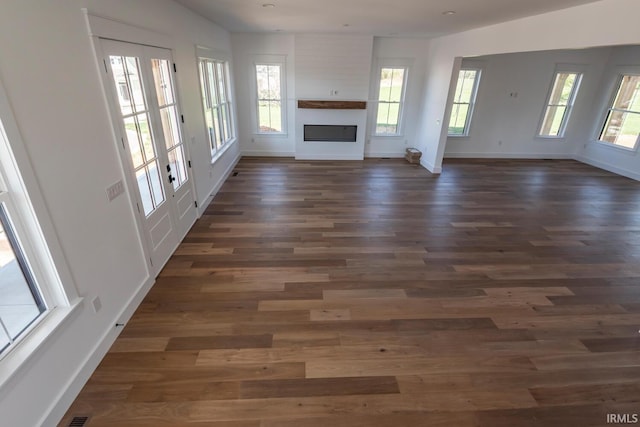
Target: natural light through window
[(21, 303), (167, 103), (390, 101), (463, 102), (561, 99), (269, 87), (127, 74), (216, 101), (622, 123)]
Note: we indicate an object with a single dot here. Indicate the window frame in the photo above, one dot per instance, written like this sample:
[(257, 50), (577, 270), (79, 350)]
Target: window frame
[(23, 256), (561, 69), (396, 65), (204, 55), (38, 243), (609, 107), (472, 101), (270, 60)]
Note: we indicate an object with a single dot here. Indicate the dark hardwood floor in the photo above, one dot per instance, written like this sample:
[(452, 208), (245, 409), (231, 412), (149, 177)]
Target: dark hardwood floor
[(373, 294)]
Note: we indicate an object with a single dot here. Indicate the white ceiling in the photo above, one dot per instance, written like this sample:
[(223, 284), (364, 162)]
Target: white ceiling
[(422, 18)]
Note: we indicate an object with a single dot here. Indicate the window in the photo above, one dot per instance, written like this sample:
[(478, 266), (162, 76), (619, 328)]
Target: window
[(269, 83), (36, 287), (390, 101), (622, 123), (463, 102), (21, 302), (560, 101), (216, 101)]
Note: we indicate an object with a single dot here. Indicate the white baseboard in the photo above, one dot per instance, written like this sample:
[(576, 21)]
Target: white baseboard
[(485, 155), (268, 153), (202, 205), (378, 155), (329, 157), (609, 167), (430, 167), (72, 388)]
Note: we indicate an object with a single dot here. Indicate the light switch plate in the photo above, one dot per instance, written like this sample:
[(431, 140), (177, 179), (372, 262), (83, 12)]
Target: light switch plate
[(115, 190)]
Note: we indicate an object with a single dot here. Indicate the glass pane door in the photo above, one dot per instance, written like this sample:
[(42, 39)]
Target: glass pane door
[(134, 108), (147, 117), (169, 116)]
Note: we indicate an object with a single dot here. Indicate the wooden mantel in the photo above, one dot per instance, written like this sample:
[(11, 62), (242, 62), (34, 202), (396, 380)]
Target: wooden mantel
[(332, 105)]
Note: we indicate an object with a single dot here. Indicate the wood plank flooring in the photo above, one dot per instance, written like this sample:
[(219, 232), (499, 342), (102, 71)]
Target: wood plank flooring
[(373, 294)]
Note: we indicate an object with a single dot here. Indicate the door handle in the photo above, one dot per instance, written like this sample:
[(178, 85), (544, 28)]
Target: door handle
[(168, 168), (171, 179)]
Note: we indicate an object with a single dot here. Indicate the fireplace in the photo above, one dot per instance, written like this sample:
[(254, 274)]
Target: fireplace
[(333, 133), (330, 130)]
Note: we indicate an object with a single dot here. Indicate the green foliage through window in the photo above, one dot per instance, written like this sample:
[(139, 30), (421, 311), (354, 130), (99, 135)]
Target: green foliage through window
[(390, 99), (559, 104), (622, 124), (463, 101)]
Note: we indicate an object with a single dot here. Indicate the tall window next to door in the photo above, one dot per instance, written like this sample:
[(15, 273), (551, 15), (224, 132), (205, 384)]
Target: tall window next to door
[(390, 101), (214, 82), (269, 83), (463, 102), (21, 302), (30, 287), (559, 104), (622, 123)]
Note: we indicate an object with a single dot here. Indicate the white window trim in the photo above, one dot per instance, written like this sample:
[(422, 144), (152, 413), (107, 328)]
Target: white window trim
[(280, 60), (562, 68), (406, 64), (39, 242), (613, 87), (203, 52), (472, 101)]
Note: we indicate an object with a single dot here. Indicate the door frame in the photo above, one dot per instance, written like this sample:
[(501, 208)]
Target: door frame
[(100, 27)]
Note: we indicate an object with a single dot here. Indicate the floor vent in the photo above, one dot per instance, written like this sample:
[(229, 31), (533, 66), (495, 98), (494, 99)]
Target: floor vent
[(78, 421), (235, 174)]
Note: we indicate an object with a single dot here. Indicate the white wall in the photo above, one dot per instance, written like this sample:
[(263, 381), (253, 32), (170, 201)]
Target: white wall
[(315, 65), (48, 69), (326, 63), (603, 23), (415, 52), (247, 47), (622, 60), (511, 97)]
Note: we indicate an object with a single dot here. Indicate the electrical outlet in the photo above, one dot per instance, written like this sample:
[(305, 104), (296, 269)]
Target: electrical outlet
[(97, 304), (115, 190)]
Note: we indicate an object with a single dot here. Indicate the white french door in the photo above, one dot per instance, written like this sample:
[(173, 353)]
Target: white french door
[(145, 107)]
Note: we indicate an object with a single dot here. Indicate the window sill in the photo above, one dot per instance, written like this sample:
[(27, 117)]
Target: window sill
[(39, 335), (458, 136), (553, 138), (619, 148), (390, 135), (272, 134), (220, 152)]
